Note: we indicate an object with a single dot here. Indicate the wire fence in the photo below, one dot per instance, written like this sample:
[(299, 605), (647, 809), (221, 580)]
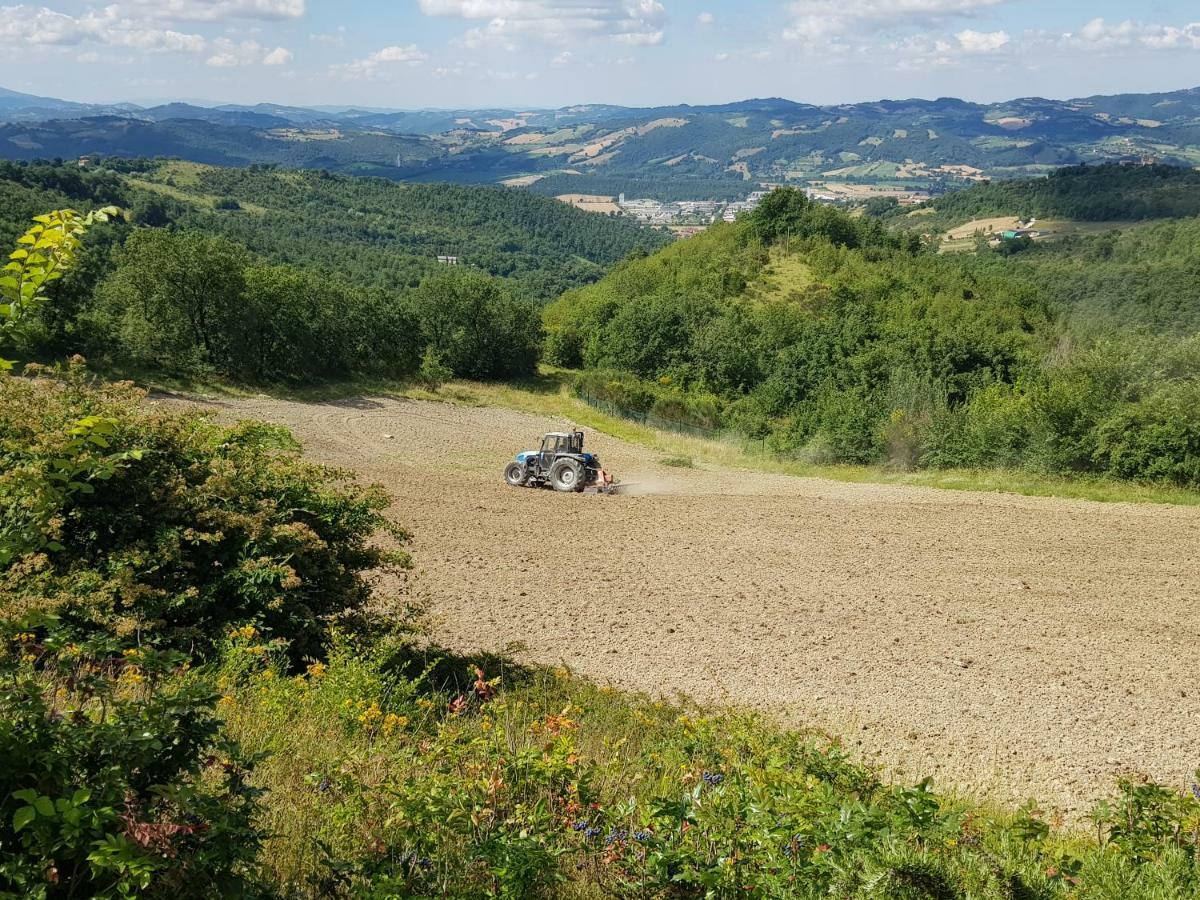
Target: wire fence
[(653, 420)]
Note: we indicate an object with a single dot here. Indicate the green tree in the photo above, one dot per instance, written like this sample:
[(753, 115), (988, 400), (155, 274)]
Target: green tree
[(173, 298), (478, 329)]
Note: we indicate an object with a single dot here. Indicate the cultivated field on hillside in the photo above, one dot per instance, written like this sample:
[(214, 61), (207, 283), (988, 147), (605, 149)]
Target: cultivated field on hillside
[(1011, 646)]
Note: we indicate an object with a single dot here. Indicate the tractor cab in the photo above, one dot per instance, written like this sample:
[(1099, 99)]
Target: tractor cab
[(557, 443)]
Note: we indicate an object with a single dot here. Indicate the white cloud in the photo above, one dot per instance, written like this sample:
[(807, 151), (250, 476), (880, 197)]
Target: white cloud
[(1100, 35), (337, 38), (218, 10), (30, 25), (705, 18), (280, 56), (381, 60), (982, 41), (821, 20), (228, 54), (563, 58), (512, 22)]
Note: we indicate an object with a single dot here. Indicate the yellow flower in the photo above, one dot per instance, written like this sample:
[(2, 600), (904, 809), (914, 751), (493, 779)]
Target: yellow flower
[(371, 715), (391, 722), (225, 701), (317, 670), (268, 674), (245, 633), (486, 723), (131, 653), (425, 704)]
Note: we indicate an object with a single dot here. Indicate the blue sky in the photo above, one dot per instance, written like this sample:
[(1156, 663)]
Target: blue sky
[(524, 53)]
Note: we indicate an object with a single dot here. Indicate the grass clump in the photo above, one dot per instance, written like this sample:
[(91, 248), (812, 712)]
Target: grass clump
[(677, 462)]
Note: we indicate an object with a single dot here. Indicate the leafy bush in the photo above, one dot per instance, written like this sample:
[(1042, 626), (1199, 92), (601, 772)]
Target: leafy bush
[(1155, 438), (119, 518), (115, 777)]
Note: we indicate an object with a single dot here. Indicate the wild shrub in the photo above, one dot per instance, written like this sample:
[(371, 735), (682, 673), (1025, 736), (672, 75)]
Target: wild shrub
[(538, 784), (115, 777), (1156, 438), (166, 525)]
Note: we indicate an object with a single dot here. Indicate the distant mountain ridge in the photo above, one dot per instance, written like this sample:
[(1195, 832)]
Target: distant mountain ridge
[(915, 143)]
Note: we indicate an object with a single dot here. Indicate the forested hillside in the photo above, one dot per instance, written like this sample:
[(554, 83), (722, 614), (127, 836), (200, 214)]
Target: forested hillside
[(1085, 193), (266, 275), (840, 341)]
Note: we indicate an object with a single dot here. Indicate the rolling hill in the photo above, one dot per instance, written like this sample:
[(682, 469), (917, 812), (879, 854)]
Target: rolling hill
[(714, 150)]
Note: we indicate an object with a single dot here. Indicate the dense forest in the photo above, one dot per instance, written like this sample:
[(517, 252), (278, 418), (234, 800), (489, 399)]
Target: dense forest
[(837, 340), (1086, 193), (273, 275)]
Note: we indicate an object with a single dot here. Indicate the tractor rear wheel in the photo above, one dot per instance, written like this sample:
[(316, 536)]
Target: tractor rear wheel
[(515, 474), (566, 475)]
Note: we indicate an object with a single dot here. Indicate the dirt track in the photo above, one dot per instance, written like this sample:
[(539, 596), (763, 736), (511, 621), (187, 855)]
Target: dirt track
[(1010, 646)]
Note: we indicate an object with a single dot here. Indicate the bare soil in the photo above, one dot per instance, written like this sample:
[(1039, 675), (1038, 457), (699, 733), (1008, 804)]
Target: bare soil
[(1013, 647)]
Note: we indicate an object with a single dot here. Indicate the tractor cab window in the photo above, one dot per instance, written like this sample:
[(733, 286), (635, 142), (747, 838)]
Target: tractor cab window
[(576, 442), (550, 444)]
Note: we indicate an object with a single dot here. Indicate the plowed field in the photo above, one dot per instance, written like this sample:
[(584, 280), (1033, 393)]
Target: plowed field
[(1010, 646)]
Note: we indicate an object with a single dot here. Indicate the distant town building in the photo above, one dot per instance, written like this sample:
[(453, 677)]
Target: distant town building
[(448, 260)]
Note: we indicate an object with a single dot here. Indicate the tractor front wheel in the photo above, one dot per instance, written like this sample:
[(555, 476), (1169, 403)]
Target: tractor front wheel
[(515, 474), (566, 475)]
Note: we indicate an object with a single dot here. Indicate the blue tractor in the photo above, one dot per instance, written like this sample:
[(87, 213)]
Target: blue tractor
[(560, 464)]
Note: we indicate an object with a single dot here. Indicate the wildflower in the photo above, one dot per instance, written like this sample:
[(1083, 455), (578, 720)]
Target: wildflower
[(1196, 790), (131, 653), (391, 722), (616, 836), (225, 701), (579, 826), (317, 670), (591, 832), (642, 836), (484, 689), (268, 674), (25, 637), (245, 633), (371, 715), (713, 778), (486, 723), (425, 704), (324, 784), (457, 705), (132, 675)]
